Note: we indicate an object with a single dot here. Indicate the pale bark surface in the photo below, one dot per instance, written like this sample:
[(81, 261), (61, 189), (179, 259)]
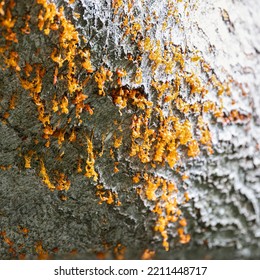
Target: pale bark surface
[(223, 213)]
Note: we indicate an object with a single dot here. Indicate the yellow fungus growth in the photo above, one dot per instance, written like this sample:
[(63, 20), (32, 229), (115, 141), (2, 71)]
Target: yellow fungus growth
[(42, 254), (111, 153), (136, 178), (183, 131), (142, 150), (120, 73), (162, 88), (12, 61), (64, 105), (89, 109), (135, 29), (183, 222), (86, 63), (68, 40), (236, 117), (108, 199), (193, 148), (40, 20), (101, 77), (118, 142), (55, 76), (156, 56), (28, 69), (6, 115), (48, 131), (195, 84), (35, 85), (196, 58), (164, 25), (79, 163), (60, 136), (138, 76), (182, 106), (116, 4), (7, 21), (7, 240), (55, 104), (116, 170), (186, 195), (2, 11), (148, 255), (209, 106), (63, 198), (184, 238), (185, 177), (62, 182), (11, 36), (73, 136), (12, 102), (26, 29), (164, 195), (24, 230), (147, 44), (45, 176), (80, 105), (119, 251), (123, 95), (5, 167), (27, 159), (205, 138), (57, 57), (221, 87), (76, 15), (90, 162), (107, 196)]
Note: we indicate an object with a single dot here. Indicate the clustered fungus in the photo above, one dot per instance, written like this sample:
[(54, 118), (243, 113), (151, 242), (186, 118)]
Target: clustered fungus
[(107, 196), (167, 126), (90, 162)]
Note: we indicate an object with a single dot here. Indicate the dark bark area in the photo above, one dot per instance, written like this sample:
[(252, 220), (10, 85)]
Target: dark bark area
[(129, 127)]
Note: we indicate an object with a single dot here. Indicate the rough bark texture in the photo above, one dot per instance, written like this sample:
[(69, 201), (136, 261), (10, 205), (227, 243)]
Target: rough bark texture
[(79, 179)]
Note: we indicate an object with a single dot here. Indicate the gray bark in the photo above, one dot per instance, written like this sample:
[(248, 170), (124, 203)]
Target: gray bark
[(223, 213)]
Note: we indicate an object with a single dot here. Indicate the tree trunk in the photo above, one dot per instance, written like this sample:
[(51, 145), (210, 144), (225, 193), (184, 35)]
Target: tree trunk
[(129, 129)]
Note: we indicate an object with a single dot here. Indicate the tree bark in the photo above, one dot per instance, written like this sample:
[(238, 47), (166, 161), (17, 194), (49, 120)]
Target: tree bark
[(129, 129)]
